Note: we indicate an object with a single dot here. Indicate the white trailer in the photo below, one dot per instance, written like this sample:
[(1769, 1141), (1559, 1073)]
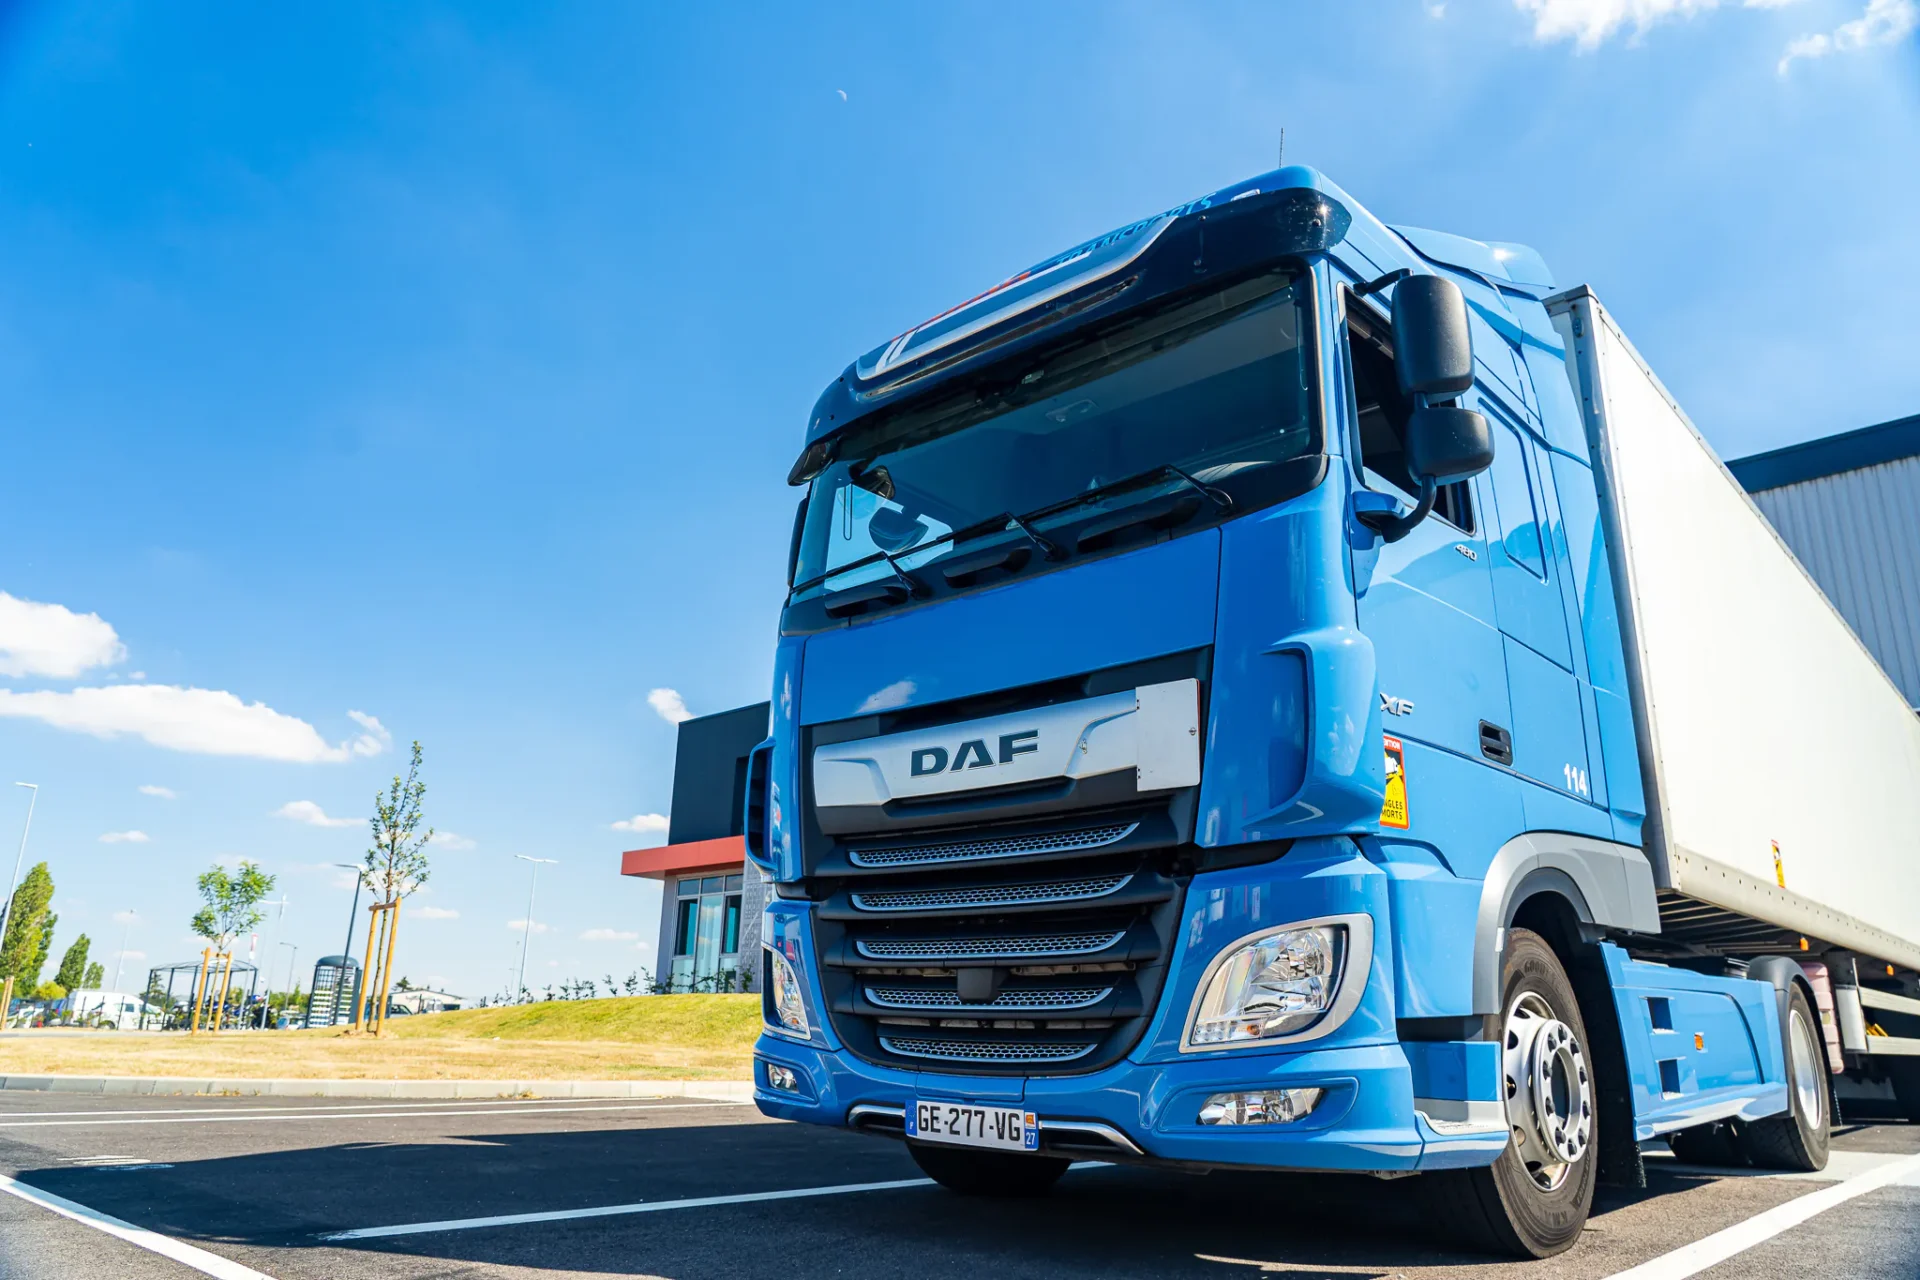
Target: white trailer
[(1781, 765)]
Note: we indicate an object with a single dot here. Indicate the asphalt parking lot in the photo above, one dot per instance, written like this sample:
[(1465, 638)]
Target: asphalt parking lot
[(246, 1187)]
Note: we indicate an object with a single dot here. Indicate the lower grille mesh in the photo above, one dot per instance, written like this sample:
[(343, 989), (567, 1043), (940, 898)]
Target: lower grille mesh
[(1047, 944), (985, 1050), (999, 847), (998, 895), (1049, 998)]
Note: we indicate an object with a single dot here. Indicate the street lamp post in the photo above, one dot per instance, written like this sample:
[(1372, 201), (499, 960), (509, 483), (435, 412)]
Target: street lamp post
[(346, 952), (293, 964), (125, 938), (6, 908), (526, 938), (279, 922)]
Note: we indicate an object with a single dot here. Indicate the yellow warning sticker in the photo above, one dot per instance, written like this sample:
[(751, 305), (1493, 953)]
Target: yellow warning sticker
[(1394, 812), (1779, 867)]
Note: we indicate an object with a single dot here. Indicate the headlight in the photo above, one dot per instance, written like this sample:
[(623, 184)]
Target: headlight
[(788, 1006), (1273, 985)]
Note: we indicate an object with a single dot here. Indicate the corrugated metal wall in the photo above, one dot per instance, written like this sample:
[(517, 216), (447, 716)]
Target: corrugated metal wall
[(1858, 534)]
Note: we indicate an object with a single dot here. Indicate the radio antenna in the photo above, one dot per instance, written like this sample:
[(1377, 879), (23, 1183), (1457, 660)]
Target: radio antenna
[(1282, 160)]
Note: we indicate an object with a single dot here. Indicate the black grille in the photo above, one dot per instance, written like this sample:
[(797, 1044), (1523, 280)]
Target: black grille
[(1046, 961)]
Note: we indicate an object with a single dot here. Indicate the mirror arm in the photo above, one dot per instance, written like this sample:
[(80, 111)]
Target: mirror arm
[(1394, 526)]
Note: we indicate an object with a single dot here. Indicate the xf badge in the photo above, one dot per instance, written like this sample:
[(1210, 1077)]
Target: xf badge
[(1396, 706)]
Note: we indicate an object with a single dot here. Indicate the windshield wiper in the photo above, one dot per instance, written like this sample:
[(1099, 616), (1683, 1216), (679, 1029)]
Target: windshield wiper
[(1048, 548)]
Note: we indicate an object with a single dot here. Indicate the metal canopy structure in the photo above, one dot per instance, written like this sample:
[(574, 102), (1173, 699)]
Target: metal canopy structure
[(169, 1008)]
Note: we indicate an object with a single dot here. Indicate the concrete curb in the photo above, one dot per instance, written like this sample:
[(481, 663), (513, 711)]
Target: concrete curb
[(148, 1086)]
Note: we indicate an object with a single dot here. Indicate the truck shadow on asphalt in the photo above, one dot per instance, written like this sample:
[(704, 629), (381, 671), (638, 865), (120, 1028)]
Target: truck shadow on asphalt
[(1113, 1221)]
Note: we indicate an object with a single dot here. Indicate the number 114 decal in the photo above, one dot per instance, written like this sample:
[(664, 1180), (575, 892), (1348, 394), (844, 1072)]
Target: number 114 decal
[(1576, 780)]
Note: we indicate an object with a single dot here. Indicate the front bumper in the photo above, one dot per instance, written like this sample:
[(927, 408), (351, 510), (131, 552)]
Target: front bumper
[(1366, 1121), (1372, 1117)]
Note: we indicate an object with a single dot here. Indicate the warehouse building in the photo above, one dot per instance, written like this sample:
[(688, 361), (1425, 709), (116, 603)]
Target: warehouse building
[(1849, 507), (711, 896)]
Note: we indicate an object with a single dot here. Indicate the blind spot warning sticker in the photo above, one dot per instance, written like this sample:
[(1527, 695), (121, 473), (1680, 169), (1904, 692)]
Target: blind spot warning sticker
[(1394, 812), (1779, 867)]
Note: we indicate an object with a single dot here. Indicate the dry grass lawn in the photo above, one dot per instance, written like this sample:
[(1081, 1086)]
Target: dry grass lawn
[(637, 1038)]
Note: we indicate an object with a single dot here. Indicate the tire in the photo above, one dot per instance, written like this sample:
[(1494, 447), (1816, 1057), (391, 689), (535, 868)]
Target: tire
[(1000, 1174), (1708, 1144), (1520, 1205), (1797, 1139)]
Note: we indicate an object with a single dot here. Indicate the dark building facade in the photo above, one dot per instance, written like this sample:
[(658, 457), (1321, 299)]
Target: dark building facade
[(1849, 507), (711, 896)]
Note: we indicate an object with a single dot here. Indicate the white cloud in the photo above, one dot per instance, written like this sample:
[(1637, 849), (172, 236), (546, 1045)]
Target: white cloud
[(1883, 22), (436, 913), (125, 917), (52, 640), (209, 722), (312, 814), (643, 823), (609, 935), (1590, 22), (520, 926), (124, 837), (164, 793), (131, 955), (376, 738), (449, 840), (671, 706)]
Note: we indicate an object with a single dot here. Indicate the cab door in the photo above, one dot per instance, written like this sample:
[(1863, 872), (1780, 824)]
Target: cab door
[(1426, 602), (1548, 727)]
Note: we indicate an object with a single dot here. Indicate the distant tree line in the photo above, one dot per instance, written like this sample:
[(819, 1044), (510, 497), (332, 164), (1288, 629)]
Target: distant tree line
[(29, 941)]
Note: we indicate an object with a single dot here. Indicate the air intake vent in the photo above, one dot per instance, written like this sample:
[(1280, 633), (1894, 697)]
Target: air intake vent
[(1006, 948), (1048, 998), (1003, 895), (985, 1050), (1002, 847)]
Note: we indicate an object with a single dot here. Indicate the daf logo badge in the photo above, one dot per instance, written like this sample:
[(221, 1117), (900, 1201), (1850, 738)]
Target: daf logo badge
[(973, 754)]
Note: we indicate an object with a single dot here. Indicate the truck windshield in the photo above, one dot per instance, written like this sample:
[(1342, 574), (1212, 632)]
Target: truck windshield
[(1214, 391)]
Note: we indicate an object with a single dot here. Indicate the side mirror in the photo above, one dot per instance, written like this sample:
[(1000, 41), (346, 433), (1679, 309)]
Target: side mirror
[(1432, 345), (1432, 359), (1445, 444)]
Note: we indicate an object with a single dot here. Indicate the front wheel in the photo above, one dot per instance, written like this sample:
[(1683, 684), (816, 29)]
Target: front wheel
[(1533, 1200), (987, 1173)]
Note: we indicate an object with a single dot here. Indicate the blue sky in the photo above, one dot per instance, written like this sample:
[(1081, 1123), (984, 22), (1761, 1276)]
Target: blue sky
[(376, 374)]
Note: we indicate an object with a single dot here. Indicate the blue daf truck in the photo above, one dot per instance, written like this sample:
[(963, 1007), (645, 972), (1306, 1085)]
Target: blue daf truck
[(1238, 706)]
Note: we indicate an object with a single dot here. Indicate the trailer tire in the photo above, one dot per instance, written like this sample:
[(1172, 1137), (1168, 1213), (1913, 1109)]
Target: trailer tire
[(1517, 1206), (1708, 1144), (987, 1173), (1797, 1140)]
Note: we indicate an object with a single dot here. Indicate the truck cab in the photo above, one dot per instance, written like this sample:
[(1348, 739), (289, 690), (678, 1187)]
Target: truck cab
[(1202, 731)]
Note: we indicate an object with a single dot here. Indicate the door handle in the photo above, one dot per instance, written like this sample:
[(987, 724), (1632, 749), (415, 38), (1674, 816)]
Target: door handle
[(1496, 744)]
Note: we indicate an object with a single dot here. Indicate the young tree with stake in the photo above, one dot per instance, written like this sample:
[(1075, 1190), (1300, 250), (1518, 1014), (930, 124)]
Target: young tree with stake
[(396, 865), (231, 906)]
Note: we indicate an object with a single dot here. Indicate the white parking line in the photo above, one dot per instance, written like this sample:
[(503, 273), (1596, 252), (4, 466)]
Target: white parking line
[(613, 1210), (1692, 1259), (330, 1108), (649, 1206), (335, 1114), (207, 1264)]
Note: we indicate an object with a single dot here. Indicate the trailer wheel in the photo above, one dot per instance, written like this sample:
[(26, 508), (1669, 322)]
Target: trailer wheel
[(987, 1173), (1533, 1200), (1707, 1144), (1798, 1139)]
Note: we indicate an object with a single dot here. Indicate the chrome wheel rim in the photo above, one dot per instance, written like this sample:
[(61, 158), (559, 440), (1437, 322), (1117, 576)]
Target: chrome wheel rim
[(1806, 1076), (1549, 1090)]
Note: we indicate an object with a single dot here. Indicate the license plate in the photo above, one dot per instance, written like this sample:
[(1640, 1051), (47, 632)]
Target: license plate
[(967, 1125)]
